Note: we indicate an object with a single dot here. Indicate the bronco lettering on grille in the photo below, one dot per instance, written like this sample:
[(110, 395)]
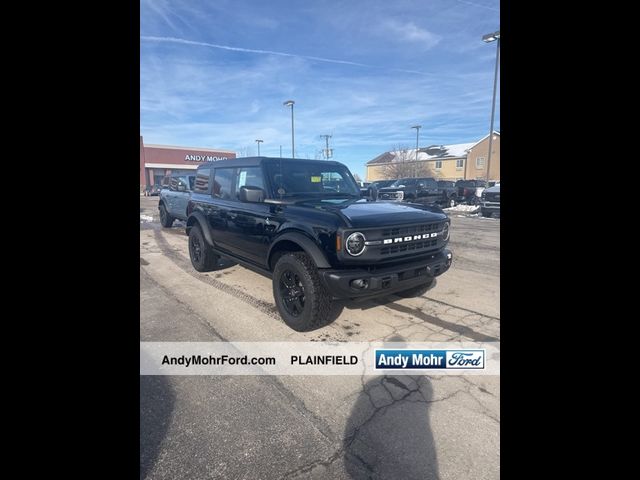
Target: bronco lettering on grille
[(410, 238)]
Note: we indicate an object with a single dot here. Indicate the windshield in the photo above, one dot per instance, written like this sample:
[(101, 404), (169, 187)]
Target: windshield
[(311, 179)]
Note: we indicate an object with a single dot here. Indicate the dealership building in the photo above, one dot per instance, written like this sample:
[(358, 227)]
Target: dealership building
[(156, 161)]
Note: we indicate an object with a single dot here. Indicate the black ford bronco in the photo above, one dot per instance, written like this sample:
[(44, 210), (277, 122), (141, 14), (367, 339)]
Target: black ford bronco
[(305, 224)]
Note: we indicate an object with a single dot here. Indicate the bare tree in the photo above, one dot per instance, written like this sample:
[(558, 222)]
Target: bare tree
[(356, 177), (404, 165)]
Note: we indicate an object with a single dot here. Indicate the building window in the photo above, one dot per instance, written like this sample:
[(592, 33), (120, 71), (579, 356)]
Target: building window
[(479, 162), (459, 163), (438, 164)]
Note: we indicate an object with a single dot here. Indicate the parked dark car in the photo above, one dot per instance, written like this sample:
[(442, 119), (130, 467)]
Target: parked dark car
[(490, 204), (418, 190), (469, 191), (174, 198), (449, 192), (284, 217)]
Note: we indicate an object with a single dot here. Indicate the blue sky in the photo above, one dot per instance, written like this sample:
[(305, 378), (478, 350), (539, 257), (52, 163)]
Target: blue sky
[(215, 74)]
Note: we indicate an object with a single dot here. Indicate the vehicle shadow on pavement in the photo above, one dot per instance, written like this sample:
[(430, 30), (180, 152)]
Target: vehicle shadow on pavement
[(156, 406), (388, 432)]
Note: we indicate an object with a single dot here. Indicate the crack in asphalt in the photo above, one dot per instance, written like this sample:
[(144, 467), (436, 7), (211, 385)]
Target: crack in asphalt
[(453, 327)]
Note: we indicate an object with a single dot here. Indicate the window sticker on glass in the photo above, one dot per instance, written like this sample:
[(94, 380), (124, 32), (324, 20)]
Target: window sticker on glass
[(316, 179), (243, 178)]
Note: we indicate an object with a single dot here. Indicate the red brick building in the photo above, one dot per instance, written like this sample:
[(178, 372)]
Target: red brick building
[(156, 161)]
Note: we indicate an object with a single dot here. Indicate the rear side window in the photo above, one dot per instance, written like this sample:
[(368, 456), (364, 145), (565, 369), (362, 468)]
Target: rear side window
[(222, 183), (201, 183), (430, 183)]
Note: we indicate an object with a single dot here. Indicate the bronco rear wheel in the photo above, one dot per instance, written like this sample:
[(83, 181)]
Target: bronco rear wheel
[(203, 258), (301, 298)]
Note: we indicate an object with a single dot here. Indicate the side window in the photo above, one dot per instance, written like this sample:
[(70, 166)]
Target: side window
[(201, 183), (222, 183), (249, 176), (430, 183), (192, 179)]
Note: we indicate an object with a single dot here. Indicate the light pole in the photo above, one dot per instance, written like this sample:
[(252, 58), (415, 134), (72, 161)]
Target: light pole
[(327, 153), (488, 38), (259, 142), (290, 103), (417, 127)]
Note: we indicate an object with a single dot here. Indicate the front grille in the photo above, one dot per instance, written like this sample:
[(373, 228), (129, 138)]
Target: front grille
[(388, 196), (401, 241), (408, 247), (413, 229), (492, 197)]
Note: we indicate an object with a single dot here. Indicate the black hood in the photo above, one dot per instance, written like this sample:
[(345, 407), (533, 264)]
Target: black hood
[(362, 214)]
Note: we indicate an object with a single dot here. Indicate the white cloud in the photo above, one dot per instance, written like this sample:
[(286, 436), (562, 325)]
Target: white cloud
[(410, 32)]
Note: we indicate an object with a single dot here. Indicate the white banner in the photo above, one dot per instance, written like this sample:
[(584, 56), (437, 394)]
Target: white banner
[(319, 358)]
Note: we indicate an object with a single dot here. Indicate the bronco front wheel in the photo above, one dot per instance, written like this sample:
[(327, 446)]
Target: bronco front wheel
[(301, 298)]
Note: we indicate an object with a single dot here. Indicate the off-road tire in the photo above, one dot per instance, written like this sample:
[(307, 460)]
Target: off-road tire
[(166, 220), (317, 303), (486, 213), (203, 257), (416, 291)]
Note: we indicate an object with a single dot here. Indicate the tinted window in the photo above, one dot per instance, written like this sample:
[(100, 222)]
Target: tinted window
[(249, 176), (222, 183), (192, 179), (443, 183), (201, 183), (311, 178)]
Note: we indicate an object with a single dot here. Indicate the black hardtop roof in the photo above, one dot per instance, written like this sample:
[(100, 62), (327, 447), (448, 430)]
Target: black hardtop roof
[(256, 161)]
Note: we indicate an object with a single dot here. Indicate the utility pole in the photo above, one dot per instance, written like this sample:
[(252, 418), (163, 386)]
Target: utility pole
[(259, 142), (280, 151), (328, 153)]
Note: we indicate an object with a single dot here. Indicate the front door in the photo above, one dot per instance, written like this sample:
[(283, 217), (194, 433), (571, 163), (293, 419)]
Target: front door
[(250, 225)]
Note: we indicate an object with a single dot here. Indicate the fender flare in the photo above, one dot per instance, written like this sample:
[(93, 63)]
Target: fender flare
[(308, 245), (198, 217)]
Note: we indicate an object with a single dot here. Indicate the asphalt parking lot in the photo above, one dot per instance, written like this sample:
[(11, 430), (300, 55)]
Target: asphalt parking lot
[(317, 426)]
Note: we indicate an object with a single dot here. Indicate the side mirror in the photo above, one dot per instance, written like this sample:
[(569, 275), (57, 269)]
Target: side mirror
[(249, 194), (373, 192), (182, 187)]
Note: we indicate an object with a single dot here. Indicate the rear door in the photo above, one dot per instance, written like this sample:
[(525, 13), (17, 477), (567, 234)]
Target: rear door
[(218, 210)]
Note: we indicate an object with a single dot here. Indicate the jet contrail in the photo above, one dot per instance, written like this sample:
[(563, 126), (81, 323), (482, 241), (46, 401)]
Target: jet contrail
[(267, 52)]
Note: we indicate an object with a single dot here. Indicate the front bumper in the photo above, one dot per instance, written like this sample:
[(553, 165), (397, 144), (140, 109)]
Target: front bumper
[(490, 206), (386, 280)]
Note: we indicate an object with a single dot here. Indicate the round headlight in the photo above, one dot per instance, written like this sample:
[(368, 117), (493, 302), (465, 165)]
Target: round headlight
[(445, 232), (355, 244)]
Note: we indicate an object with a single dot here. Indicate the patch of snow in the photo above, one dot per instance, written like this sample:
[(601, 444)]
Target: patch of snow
[(146, 218), (462, 208)]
